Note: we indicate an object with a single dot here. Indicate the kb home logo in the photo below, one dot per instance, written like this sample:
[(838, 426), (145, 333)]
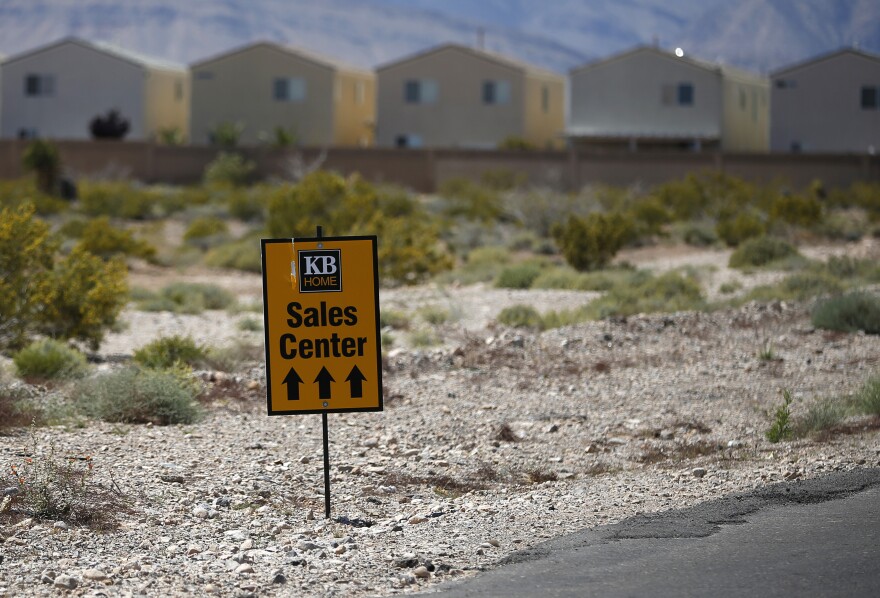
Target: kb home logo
[(320, 271)]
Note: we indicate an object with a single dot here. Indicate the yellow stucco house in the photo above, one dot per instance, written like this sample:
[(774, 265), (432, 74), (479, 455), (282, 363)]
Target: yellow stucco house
[(265, 86), (457, 96)]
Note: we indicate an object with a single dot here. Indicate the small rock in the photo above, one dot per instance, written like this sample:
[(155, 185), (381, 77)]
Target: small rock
[(235, 535), (341, 549), (60, 525), (279, 578), (698, 472), (734, 444), (65, 581), (421, 572), (10, 491), (244, 568), (407, 561), (200, 512), (193, 549), (667, 434), (304, 460), (494, 542), (416, 519), (553, 428), (25, 523), (94, 574), (371, 442), (306, 545), (172, 479), (211, 588), (48, 576), (246, 545)]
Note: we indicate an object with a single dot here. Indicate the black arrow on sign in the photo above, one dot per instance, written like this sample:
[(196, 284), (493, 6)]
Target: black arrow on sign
[(324, 379), (292, 380), (355, 378)]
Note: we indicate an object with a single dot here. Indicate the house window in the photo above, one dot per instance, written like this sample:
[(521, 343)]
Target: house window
[(869, 97), (420, 91), (685, 94), (496, 92), (786, 84), (39, 85), (291, 89), (545, 99)]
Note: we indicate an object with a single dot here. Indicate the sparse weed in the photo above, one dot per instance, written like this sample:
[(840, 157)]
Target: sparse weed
[(766, 352), (389, 318), (781, 428), (867, 399), (422, 338), (168, 351), (434, 315), (250, 324), (848, 313), (820, 417), (521, 316)]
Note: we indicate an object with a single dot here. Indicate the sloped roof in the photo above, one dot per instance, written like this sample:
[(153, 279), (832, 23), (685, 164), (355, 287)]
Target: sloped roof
[(134, 58), (324, 61), (501, 59), (695, 62), (823, 57)]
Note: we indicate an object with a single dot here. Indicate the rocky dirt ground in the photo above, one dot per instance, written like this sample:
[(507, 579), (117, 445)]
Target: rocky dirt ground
[(490, 442)]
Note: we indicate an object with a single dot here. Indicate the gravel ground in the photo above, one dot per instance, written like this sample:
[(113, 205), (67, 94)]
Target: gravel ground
[(491, 442)]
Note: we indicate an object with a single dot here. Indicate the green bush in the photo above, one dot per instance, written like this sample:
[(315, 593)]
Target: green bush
[(135, 395), (781, 428), (246, 204), (206, 231), (16, 193), (393, 319), (471, 200), (100, 238), (849, 313), (521, 316), (796, 209), (699, 236), (409, 248), (435, 315), (243, 254), (820, 416), (49, 360), (736, 229), (520, 276), (649, 216), (669, 292), (229, 169), (193, 298), (42, 158), (226, 134), (519, 144), (844, 226), (119, 200), (17, 408), (170, 351), (761, 251), (591, 242), (796, 287), (867, 399)]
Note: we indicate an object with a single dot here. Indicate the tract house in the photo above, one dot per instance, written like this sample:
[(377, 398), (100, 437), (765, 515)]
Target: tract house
[(456, 96), (56, 90), (648, 98), (266, 88), (830, 103)]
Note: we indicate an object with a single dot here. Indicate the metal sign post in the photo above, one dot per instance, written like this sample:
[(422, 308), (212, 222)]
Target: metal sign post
[(321, 321)]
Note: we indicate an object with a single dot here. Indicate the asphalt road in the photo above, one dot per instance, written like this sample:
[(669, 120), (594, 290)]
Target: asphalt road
[(818, 537)]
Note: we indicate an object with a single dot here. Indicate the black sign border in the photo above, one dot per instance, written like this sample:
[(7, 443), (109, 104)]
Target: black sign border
[(374, 241)]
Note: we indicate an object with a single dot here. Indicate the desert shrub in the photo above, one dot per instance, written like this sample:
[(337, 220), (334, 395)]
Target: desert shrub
[(859, 195), (87, 294), (781, 427), (649, 216), (15, 193), (206, 231), (503, 179), (820, 416), (43, 159), (249, 324), (761, 251), (733, 230), (389, 318), (471, 200), (243, 254), (867, 399), (100, 238), (796, 209), (686, 198), (233, 357), (435, 315), (49, 359), (124, 200), (850, 268), (77, 297), (591, 242), (520, 316), (246, 204), (191, 297), (229, 169), (409, 249), (844, 226), (848, 313), (519, 276), (728, 288), (645, 293), (169, 351), (17, 407), (170, 136), (423, 337), (482, 264), (699, 235), (135, 395)]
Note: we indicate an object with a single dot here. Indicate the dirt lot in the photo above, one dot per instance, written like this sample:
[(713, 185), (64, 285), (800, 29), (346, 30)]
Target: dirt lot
[(492, 440)]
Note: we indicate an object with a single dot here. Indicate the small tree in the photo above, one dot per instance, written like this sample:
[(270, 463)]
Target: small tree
[(226, 134), (110, 126), (41, 157), (590, 243)]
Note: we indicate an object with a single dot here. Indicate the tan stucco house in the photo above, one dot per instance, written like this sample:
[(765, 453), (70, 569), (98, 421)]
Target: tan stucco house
[(456, 96), (56, 90), (648, 98), (830, 103), (265, 85)]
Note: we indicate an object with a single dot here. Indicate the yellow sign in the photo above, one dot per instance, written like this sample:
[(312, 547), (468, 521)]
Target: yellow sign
[(321, 316)]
